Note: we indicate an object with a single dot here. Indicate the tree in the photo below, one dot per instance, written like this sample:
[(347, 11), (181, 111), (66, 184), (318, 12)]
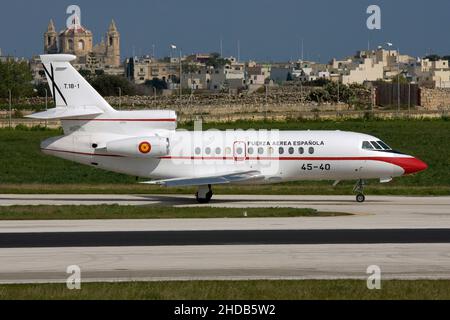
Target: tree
[(289, 77), (320, 82), (107, 85), (99, 72), (15, 76), (156, 83), (216, 61), (340, 92), (319, 95), (190, 68), (402, 78), (40, 89), (433, 57), (85, 73)]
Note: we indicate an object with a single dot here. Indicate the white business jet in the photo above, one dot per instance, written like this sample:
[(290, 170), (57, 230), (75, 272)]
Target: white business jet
[(148, 145)]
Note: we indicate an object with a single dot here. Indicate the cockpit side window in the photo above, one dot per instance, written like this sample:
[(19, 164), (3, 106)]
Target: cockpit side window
[(376, 145), (366, 145), (384, 145)]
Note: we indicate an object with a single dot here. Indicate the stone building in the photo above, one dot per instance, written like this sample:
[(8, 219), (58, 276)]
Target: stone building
[(78, 40)]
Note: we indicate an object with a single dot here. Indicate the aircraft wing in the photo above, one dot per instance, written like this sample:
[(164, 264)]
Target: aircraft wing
[(230, 177)]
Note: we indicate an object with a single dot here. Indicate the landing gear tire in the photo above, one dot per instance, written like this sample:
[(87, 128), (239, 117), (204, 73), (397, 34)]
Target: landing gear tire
[(360, 198), (359, 189), (203, 197), (207, 199)]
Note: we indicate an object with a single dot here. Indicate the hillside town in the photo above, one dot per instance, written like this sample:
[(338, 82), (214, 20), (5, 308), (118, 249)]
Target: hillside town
[(381, 77)]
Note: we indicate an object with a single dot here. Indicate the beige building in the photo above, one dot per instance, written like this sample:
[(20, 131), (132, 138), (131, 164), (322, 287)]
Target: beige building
[(78, 40), (432, 74), (360, 72), (147, 68)]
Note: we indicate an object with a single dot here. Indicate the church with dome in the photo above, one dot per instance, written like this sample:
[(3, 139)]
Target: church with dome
[(78, 40)]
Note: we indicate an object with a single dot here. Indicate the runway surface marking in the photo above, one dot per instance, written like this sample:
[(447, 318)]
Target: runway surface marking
[(221, 237)]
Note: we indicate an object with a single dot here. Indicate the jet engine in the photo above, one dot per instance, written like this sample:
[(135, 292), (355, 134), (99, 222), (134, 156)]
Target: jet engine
[(139, 147)]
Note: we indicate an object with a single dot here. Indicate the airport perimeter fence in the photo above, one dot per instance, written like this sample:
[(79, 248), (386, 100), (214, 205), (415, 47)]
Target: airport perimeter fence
[(270, 115)]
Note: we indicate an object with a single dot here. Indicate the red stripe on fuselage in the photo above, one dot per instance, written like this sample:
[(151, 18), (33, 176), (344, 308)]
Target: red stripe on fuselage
[(397, 161), (130, 120), (383, 159), (84, 153), (408, 164)]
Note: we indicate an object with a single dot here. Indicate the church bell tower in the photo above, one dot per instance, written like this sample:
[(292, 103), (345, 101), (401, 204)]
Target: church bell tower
[(113, 45), (51, 39)]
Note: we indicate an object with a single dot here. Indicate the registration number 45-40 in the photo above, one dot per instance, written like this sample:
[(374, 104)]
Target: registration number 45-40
[(310, 167)]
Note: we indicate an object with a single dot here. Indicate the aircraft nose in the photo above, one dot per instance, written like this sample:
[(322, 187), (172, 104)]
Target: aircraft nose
[(413, 165)]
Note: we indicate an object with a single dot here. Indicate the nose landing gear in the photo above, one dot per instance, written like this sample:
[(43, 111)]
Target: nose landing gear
[(359, 189), (204, 194)]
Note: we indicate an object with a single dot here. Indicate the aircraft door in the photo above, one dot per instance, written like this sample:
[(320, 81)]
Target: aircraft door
[(82, 148), (239, 151)]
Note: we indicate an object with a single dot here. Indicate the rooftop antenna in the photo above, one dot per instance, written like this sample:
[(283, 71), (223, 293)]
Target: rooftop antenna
[(302, 53), (239, 50)]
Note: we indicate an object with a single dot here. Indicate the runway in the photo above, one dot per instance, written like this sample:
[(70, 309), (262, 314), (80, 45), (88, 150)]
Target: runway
[(407, 237), (220, 237)]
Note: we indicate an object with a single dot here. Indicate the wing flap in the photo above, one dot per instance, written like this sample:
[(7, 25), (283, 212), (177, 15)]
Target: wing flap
[(233, 177)]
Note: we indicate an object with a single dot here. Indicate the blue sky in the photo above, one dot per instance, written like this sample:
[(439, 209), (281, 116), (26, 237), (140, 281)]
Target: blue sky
[(266, 29)]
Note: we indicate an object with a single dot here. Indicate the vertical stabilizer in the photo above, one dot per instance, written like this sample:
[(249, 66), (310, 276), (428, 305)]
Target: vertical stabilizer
[(68, 87)]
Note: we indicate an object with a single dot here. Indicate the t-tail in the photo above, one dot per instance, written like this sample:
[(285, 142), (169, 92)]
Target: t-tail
[(79, 106)]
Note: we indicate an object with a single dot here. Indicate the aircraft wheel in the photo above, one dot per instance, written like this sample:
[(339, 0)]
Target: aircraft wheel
[(360, 198), (207, 199)]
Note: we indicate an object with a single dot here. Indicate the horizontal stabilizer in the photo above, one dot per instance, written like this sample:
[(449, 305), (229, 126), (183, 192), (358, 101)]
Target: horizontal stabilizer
[(66, 112), (234, 177)]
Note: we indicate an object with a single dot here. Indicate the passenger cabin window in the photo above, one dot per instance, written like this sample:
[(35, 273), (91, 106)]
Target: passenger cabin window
[(281, 150), (291, 150), (208, 150), (260, 150), (198, 151), (250, 150), (311, 150), (218, 151), (301, 150)]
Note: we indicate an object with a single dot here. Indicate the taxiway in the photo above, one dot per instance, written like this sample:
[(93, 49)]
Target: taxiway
[(407, 237)]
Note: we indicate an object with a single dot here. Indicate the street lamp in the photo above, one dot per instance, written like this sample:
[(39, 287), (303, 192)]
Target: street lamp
[(174, 47), (398, 75), (338, 91), (120, 97), (398, 80), (10, 108), (181, 75), (46, 99)]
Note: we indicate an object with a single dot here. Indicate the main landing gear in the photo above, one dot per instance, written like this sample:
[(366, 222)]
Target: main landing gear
[(359, 189), (204, 194)]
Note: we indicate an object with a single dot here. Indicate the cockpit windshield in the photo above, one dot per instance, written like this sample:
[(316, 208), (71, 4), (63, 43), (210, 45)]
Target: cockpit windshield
[(384, 145), (375, 145)]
